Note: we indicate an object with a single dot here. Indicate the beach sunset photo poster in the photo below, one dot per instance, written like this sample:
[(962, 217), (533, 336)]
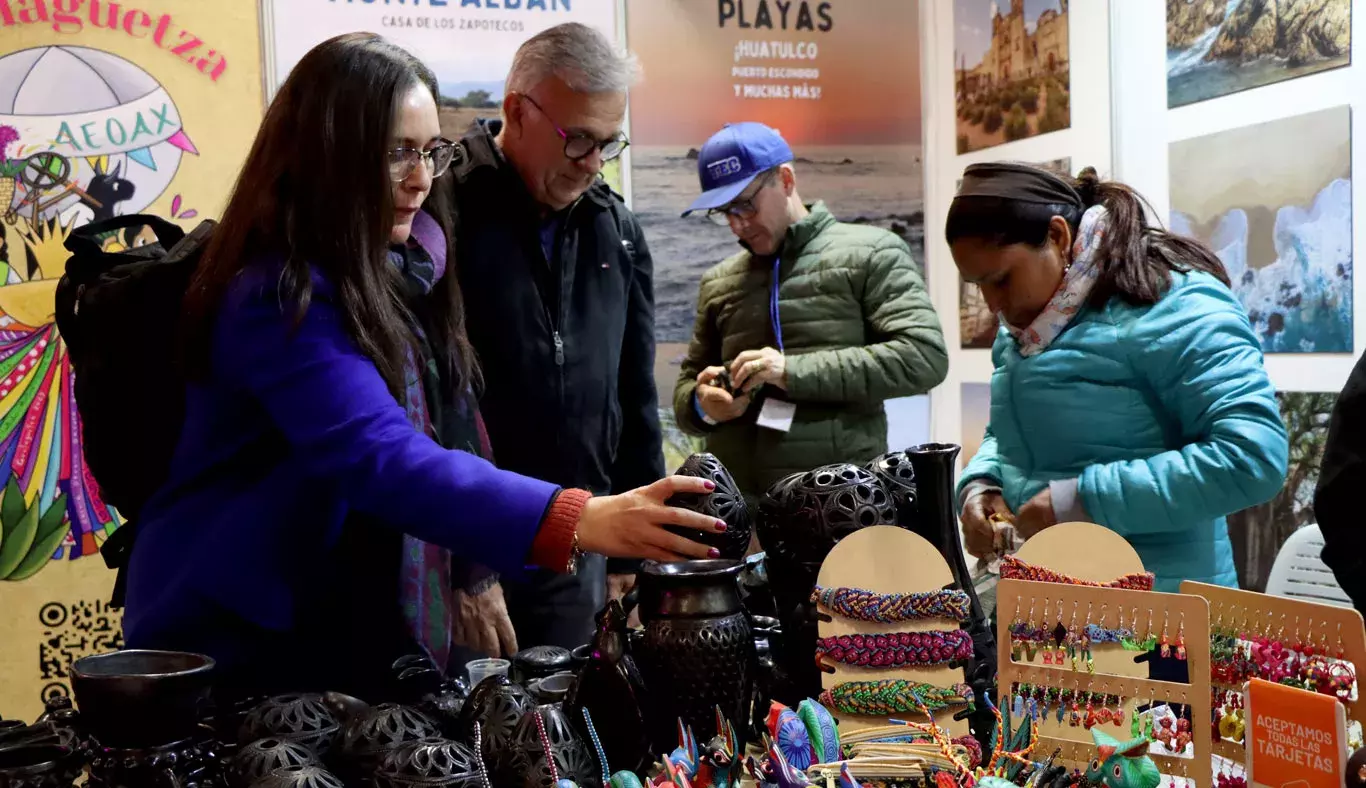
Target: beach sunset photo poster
[(839, 80)]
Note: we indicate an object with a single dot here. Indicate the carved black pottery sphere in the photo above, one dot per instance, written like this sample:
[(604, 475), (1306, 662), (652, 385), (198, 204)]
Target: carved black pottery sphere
[(894, 470), (538, 662), (299, 777), (259, 758), (40, 766), (301, 719), (366, 739), (574, 759), (428, 764), (803, 516), (725, 503), (497, 705)]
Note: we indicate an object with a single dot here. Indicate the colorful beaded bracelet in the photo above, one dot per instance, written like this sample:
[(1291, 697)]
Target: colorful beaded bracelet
[(862, 605), (893, 696), (1013, 568), (896, 649)]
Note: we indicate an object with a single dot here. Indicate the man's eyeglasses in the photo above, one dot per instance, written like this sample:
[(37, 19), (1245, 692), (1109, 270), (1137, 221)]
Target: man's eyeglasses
[(742, 207), (580, 146), (438, 158)]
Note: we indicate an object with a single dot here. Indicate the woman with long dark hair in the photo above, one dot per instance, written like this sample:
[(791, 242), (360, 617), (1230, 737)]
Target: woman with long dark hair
[(1128, 388), (329, 467)]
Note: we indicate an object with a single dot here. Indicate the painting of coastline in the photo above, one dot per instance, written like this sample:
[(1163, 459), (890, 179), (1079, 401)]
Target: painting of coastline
[(1011, 72), (853, 123), (1283, 228), (977, 324), (1218, 47)]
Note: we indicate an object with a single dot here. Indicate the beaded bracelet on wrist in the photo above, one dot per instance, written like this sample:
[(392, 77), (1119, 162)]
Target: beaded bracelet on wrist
[(1013, 568), (896, 649), (860, 605), (893, 696)]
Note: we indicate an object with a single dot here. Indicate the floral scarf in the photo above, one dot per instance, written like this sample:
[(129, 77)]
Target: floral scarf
[(1077, 283)]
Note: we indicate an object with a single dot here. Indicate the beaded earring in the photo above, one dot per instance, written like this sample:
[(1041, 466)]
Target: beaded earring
[(1047, 651), (1181, 639), (1164, 648), (1016, 630), (1073, 637), (1059, 637)]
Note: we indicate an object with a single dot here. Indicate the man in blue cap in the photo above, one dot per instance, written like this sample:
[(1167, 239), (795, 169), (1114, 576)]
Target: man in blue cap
[(801, 336)]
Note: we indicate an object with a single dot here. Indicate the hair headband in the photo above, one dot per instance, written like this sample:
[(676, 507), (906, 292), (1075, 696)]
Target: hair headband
[(1020, 182)]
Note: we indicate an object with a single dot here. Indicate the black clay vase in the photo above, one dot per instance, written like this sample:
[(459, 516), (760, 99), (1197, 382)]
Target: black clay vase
[(430, 763), (533, 752), (725, 503), (697, 652), (259, 758), (611, 688), (497, 705), (302, 719), (934, 465), (41, 766), (299, 777)]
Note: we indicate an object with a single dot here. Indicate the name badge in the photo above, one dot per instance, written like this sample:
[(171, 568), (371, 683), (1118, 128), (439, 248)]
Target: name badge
[(777, 414)]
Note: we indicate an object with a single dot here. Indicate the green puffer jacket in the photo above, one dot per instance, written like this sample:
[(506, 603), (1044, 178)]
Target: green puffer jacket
[(858, 328)]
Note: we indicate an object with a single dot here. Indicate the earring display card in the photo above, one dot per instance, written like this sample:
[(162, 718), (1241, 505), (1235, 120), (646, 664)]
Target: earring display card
[(1282, 640), (1075, 693)]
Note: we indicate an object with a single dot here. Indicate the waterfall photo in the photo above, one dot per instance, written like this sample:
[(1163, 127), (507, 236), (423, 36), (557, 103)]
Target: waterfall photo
[(1283, 229), (1218, 47)]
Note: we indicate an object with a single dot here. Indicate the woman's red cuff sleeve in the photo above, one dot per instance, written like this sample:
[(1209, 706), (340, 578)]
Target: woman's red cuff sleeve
[(554, 543)]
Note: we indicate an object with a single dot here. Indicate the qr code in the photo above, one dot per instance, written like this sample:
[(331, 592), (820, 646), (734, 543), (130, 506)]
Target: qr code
[(72, 631)]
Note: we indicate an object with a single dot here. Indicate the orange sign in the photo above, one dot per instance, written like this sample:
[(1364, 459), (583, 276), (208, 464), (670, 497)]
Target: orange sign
[(1295, 737)]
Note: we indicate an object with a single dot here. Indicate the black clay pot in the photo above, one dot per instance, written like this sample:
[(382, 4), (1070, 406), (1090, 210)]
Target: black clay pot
[(368, 738), (42, 766), (697, 652), (551, 689), (725, 503), (259, 758), (299, 777), (609, 686), (538, 662), (497, 705), (934, 465), (301, 719), (573, 757), (897, 474), (430, 763), (141, 699)]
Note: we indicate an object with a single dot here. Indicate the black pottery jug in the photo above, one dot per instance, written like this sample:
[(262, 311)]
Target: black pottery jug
[(609, 686), (697, 651), (725, 503)]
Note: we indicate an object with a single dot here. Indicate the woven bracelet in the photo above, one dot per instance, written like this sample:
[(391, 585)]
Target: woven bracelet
[(893, 696), (896, 649), (861, 605)]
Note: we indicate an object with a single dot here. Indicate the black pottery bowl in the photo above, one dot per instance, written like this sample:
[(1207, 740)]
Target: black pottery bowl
[(725, 503), (141, 699), (552, 689), (42, 766)]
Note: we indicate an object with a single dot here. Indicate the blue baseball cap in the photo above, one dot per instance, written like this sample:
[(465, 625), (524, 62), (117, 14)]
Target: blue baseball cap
[(733, 158)]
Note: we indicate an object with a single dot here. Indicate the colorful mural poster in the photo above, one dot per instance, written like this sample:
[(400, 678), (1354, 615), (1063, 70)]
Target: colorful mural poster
[(1283, 228), (1012, 75), (1218, 47), (839, 80), (106, 109), (468, 44)]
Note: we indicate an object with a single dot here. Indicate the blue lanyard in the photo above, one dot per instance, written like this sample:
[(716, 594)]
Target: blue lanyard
[(773, 306)]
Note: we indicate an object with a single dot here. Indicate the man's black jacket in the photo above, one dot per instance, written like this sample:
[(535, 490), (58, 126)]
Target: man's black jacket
[(1341, 492), (567, 345)]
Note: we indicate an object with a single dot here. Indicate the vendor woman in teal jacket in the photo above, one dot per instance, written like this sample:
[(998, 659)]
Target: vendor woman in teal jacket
[(1128, 387)]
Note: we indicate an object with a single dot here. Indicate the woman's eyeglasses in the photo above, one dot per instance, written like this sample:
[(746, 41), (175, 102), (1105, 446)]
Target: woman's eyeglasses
[(579, 146), (741, 207), (438, 158)]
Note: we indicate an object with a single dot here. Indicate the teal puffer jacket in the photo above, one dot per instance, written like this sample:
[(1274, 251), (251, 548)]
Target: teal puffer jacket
[(1164, 414)]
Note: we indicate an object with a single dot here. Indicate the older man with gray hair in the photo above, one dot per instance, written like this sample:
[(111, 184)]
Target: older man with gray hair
[(557, 280)]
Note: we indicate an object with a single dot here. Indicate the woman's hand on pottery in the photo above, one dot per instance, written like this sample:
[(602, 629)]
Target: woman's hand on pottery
[(982, 517), (631, 525), (1036, 515), (482, 623), (719, 405)]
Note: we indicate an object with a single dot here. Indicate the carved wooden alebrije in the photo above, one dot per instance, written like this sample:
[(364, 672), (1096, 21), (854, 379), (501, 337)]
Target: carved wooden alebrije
[(1287, 620), (1170, 610), (888, 560)]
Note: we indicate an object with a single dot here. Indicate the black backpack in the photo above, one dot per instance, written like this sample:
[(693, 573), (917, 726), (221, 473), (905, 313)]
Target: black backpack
[(119, 314)]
